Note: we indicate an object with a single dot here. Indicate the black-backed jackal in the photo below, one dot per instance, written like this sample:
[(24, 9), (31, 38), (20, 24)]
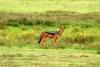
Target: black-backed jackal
[(47, 35)]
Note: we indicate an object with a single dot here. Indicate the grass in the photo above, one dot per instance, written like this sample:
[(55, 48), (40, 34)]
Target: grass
[(82, 29), (82, 38), (24, 6), (79, 46), (26, 57)]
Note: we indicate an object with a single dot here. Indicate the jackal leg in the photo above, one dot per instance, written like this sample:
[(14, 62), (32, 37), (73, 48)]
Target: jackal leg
[(56, 40), (43, 42)]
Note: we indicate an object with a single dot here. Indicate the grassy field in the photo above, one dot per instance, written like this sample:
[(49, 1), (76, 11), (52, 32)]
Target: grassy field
[(29, 6), (24, 29), (25, 57), (79, 46)]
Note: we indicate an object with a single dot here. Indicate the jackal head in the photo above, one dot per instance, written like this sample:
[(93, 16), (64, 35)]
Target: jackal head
[(61, 30)]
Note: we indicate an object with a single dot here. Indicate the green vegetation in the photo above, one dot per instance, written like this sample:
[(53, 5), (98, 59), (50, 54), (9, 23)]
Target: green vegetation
[(25, 57), (19, 33), (82, 30), (29, 6)]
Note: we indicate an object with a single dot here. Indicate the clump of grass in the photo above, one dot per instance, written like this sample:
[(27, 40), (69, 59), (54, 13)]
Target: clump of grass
[(23, 27), (83, 39), (98, 51), (3, 33), (2, 24), (44, 22), (94, 45), (12, 22), (25, 21), (2, 41), (2, 37), (18, 22), (26, 38), (75, 30)]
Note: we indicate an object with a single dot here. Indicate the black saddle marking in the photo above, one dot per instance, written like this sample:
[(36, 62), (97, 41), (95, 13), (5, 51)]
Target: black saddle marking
[(53, 33)]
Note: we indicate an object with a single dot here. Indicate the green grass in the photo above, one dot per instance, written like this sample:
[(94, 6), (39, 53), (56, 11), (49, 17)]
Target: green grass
[(82, 30), (74, 36), (26, 57), (79, 46), (29, 6)]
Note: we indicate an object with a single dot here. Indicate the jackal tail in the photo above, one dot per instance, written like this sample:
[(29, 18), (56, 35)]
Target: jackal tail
[(39, 39)]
